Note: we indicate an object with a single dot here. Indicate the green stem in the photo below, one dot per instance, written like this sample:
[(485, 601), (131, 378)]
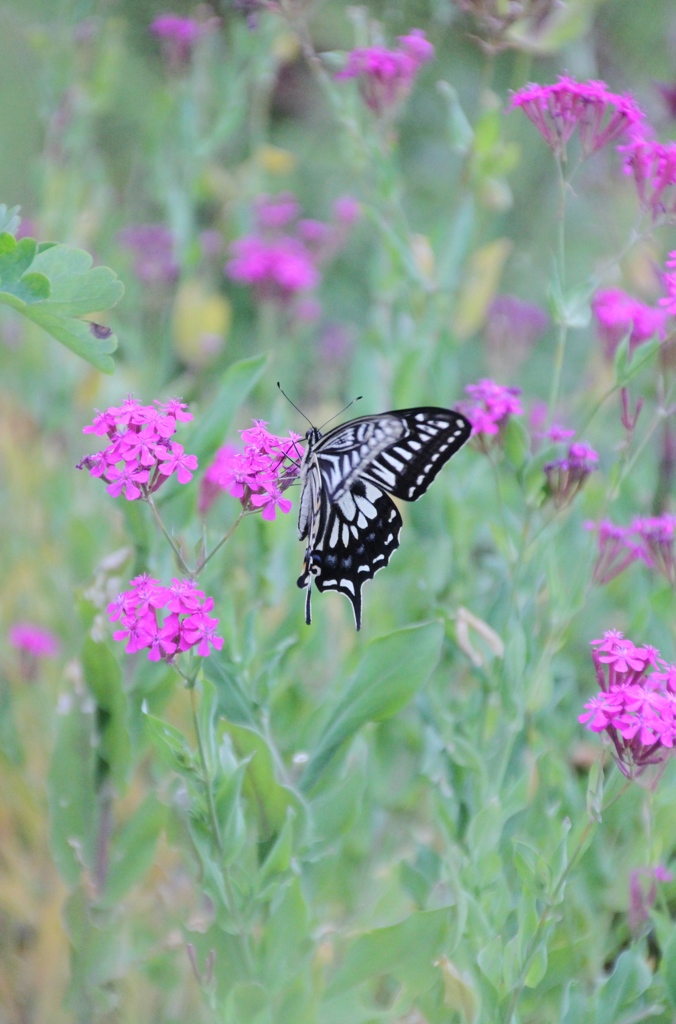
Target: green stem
[(553, 898), (561, 270), (231, 899), (222, 541), (172, 544)]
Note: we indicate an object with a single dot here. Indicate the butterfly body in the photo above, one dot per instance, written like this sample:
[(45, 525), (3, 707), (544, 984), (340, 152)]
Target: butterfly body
[(347, 518)]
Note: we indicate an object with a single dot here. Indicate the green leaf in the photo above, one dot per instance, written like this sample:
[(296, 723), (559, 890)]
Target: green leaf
[(516, 442), (230, 814), (171, 746), (9, 219), (269, 798), (233, 702), (132, 850), (60, 285), (73, 808), (392, 670), (104, 680), (629, 980), (408, 950)]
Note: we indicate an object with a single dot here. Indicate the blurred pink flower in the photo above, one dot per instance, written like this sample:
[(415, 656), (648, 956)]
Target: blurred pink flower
[(386, 76), (33, 640), (618, 314), (566, 476), (668, 302), (153, 249), (491, 406), (643, 892), (653, 167), (179, 35), (557, 110)]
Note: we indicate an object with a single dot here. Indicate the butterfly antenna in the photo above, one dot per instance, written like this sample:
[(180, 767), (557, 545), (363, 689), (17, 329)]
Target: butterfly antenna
[(294, 405), (336, 415)]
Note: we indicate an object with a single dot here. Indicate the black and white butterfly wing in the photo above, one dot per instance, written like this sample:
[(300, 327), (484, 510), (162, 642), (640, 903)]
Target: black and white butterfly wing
[(351, 524)]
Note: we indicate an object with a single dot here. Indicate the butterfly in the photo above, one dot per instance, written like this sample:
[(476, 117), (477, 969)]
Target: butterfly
[(347, 518)]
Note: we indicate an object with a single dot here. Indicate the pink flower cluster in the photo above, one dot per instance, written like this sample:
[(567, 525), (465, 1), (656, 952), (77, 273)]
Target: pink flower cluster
[(259, 475), (649, 539), (141, 455), (491, 406), (386, 77), (618, 315), (179, 36), (566, 476), (281, 260), (652, 165), (33, 640), (557, 110), (186, 622), (636, 705)]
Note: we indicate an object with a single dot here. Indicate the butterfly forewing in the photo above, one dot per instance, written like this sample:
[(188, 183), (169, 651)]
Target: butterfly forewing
[(351, 524)]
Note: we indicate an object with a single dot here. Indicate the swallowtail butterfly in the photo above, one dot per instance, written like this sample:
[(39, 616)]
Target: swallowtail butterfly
[(349, 522)]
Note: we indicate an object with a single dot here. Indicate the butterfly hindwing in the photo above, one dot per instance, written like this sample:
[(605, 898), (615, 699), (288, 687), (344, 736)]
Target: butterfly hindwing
[(346, 515)]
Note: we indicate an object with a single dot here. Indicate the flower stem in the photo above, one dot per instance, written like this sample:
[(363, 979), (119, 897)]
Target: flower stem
[(172, 544), (226, 536), (561, 272)]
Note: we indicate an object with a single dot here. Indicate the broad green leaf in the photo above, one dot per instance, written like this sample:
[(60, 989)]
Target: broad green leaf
[(630, 978), (171, 745), (268, 797), (230, 815), (132, 850), (392, 670), (516, 441), (73, 808), (9, 218), (408, 950), (286, 937), (233, 702), (104, 680), (52, 284), (490, 960), (460, 993), (248, 1001), (335, 808), (77, 288)]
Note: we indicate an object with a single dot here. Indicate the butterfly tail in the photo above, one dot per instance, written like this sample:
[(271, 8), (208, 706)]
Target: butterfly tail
[(308, 603)]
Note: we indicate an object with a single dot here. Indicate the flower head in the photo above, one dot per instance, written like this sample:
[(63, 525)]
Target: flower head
[(490, 407), (140, 455), (386, 76), (556, 110), (566, 476), (668, 302), (33, 640), (617, 551), (179, 36), (165, 621), (618, 315), (652, 165), (634, 707), (256, 476)]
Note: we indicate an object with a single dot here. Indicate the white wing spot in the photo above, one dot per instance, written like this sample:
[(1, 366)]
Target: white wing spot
[(379, 558), (346, 535), (348, 584), (362, 521), (415, 445), (333, 540), (420, 416), (393, 514), (411, 491), (363, 568), (390, 537)]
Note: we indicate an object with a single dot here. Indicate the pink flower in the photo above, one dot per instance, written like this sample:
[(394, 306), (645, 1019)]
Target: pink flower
[(274, 212), (634, 708), (619, 315), (643, 892), (347, 210), (386, 76), (186, 622), (657, 535), (179, 35), (268, 464), (567, 476), (141, 455), (652, 165), (557, 110), (33, 640), (617, 551), (278, 268), (491, 406), (669, 300)]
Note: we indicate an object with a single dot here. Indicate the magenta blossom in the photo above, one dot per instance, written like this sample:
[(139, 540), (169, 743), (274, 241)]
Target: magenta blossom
[(668, 302), (656, 533), (153, 248), (649, 539), (652, 165), (636, 705), (491, 406), (567, 476), (140, 456), (617, 551), (619, 315), (179, 36), (557, 110), (643, 892), (33, 640), (258, 475), (386, 77), (185, 623), (282, 259)]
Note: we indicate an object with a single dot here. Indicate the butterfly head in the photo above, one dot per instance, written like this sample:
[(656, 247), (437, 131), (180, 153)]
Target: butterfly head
[(312, 437)]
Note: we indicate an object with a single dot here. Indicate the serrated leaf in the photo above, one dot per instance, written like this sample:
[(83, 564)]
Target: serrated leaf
[(79, 336), (392, 670), (77, 288)]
